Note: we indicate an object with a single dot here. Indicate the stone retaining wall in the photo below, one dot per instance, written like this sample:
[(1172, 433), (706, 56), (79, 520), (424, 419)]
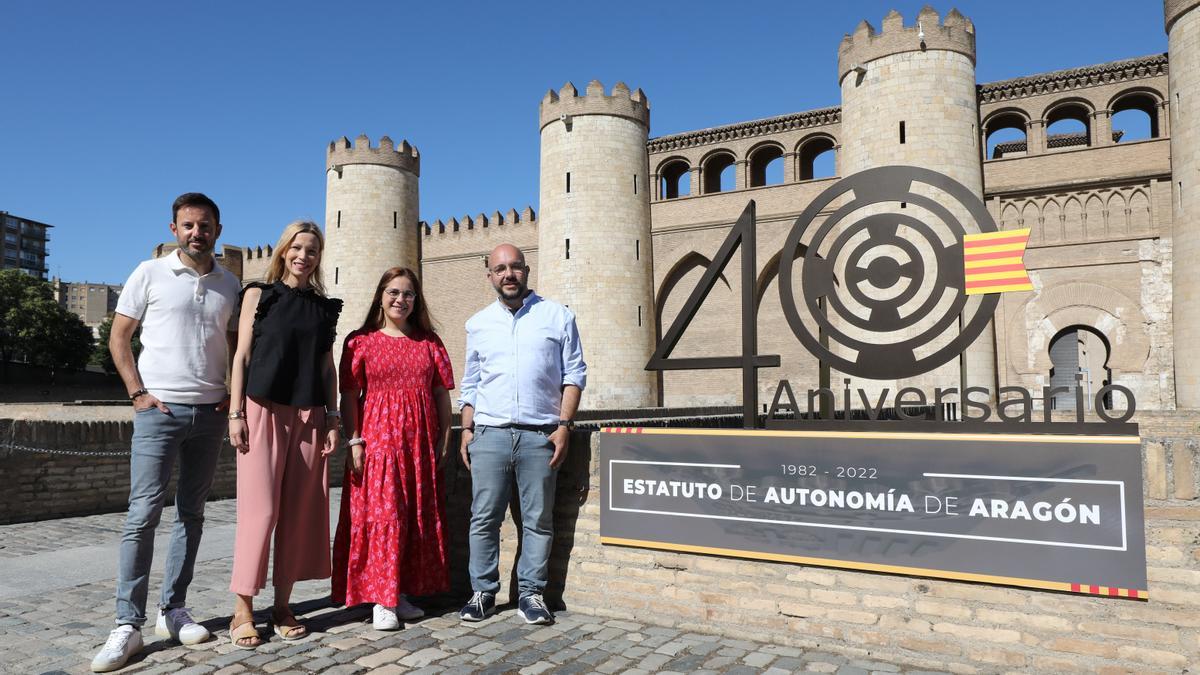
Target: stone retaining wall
[(932, 623), (73, 480), (935, 624)]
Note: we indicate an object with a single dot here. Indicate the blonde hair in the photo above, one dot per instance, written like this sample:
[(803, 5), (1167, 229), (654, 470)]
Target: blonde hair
[(276, 268)]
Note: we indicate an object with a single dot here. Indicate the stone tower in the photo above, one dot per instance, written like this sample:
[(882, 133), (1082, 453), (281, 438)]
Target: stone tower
[(908, 97), (370, 220), (594, 252), (1183, 46)]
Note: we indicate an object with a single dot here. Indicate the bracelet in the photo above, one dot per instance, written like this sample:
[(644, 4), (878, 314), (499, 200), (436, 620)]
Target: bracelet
[(237, 414), (140, 392), (357, 440)]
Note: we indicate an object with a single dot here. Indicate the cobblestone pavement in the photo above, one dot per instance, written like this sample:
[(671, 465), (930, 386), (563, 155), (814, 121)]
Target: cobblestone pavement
[(59, 623)]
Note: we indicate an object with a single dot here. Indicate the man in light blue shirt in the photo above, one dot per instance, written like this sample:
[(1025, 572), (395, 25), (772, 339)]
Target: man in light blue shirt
[(519, 392)]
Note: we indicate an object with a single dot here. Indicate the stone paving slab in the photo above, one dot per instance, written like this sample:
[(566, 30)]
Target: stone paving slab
[(58, 630)]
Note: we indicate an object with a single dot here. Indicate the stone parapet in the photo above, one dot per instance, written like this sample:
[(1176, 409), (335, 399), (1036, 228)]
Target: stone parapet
[(956, 34), (731, 132), (567, 102), (68, 463), (1058, 81), (1173, 9), (341, 153)]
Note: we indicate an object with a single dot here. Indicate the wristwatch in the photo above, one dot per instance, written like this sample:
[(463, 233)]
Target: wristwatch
[(569, 424)]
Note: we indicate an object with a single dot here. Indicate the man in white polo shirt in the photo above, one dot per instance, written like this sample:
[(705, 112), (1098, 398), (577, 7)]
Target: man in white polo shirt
[(183, 302)]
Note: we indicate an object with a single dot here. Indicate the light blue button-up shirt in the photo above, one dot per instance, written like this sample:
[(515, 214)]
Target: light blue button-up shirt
[(518, 363)]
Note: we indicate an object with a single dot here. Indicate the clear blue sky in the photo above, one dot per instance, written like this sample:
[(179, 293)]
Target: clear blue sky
[(110, 110)]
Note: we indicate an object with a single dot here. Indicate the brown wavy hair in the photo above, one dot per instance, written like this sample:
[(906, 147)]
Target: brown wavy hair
[(419, 316)]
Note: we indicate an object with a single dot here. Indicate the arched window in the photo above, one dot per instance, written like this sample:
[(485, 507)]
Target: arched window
[(766, 166), (1005, 136), (675, 179), (817, 158), (1083, 351), (718, 173), (1068, 126), (1135, 117)]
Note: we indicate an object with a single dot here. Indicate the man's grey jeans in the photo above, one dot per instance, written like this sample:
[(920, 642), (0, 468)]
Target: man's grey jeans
[(497, 453), (194, 433)]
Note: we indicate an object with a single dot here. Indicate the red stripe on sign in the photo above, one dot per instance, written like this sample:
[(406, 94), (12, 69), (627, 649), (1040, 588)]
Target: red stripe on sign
[(1133, 593), (974, 243), (1074, 588), (1015, 267), (992, 256), (1006, 281), (1114, 592), (1094, 590)]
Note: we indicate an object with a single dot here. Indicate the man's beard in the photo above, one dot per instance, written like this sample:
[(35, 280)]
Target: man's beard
[(512, 295), (196, 255)]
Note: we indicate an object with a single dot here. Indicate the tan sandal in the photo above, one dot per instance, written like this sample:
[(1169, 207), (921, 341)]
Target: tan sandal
[(244, 631), (288, 631)]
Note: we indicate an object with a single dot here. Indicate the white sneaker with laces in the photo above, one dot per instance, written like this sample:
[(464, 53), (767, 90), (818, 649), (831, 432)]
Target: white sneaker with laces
[(122, 643), (177, 624), (383, 618), (408, 611)]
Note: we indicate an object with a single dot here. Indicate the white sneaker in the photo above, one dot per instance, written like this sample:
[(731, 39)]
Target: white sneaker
[(177, 624), (408, 611), (383, 618), (123, 642)]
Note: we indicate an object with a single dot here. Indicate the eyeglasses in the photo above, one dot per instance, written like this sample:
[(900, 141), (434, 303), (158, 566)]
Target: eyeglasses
[(517, 268), (394, 293)]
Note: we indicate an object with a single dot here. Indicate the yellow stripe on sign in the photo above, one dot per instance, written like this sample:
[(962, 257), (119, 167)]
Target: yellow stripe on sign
[(992, 262), (1015, 275), (1002, 234), (1018, 247), (999, 289)]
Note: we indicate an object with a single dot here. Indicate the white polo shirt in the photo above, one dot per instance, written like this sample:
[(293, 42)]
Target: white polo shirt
[(184, 317)]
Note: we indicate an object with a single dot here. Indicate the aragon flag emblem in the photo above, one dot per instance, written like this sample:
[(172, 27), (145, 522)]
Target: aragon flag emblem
[(993, 262)]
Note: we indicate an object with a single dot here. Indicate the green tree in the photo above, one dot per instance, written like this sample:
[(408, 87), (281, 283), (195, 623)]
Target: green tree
[(102, 357), (35, 328)]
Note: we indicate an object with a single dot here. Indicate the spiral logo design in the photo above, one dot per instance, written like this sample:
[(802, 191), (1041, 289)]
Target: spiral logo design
[(886, 286)]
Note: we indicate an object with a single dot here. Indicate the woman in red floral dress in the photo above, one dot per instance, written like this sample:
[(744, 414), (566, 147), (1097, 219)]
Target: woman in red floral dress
[(395, 382)]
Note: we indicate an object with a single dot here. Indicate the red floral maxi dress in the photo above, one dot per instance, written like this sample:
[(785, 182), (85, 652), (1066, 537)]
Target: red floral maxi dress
[(391, 537)]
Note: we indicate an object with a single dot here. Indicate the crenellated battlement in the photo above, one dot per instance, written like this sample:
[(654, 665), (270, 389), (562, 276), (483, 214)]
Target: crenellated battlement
[(480, 222), (341, 152), (955, 33), (621, 103), (258, 252)]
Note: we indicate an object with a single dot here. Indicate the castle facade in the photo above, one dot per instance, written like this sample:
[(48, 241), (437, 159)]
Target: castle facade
[(627, 224)]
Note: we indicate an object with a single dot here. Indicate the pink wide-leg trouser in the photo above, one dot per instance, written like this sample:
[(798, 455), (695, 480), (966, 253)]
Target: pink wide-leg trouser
[(282, 487)]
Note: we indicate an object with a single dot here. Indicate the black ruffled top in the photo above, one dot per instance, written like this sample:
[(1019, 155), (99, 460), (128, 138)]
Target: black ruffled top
[(293, 330)]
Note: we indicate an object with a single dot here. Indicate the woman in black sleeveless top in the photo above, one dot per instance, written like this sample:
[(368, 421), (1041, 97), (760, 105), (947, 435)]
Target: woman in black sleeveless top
[(283, 421)]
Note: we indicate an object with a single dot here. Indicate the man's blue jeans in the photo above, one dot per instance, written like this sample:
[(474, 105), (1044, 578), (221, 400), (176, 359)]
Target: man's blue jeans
[(194, 433), (497, 453)]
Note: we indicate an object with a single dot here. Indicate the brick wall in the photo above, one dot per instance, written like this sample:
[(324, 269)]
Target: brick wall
[(936, 624), (955, 626), (40, 485)]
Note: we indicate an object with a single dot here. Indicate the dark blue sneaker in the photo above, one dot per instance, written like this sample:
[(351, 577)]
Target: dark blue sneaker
[(479, 607), (532, 608)]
